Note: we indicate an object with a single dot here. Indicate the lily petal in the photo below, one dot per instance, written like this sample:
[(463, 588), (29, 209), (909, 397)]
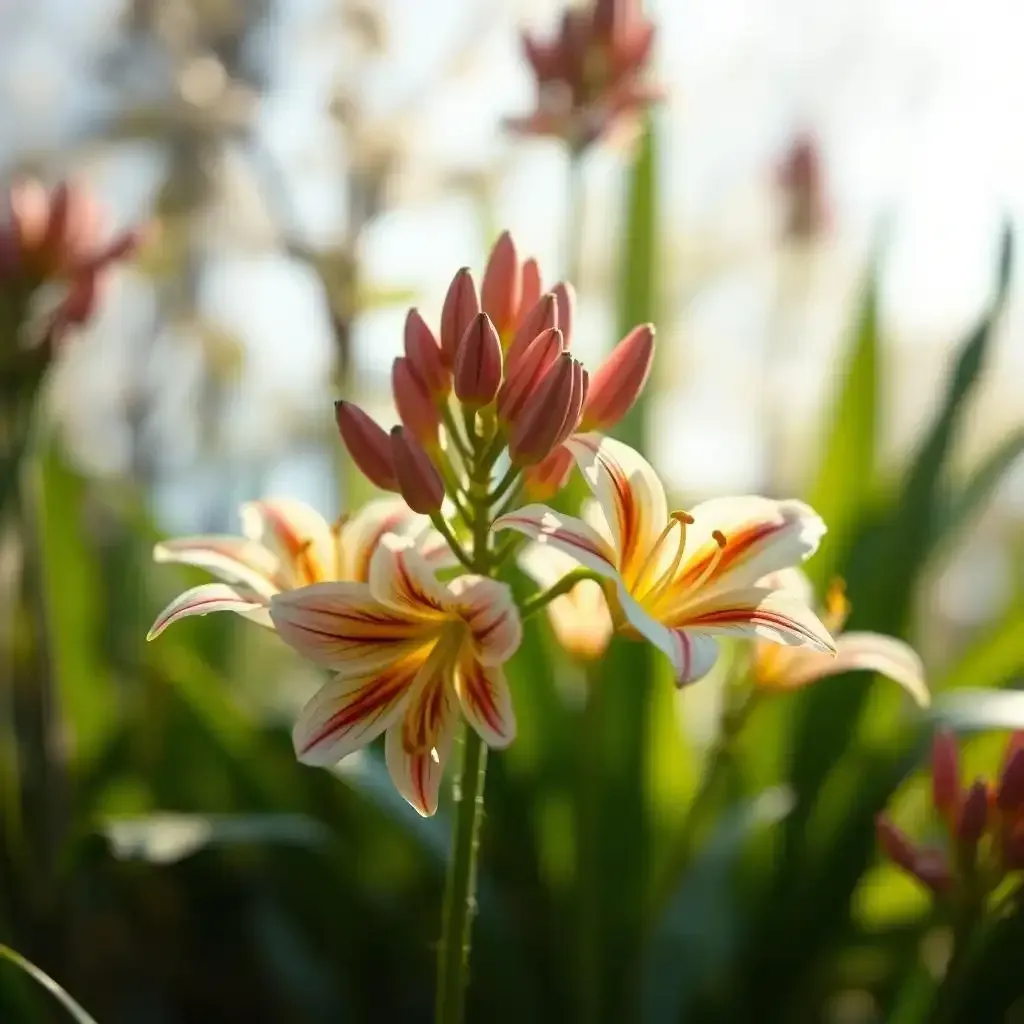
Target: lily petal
[(761, 537), (417, 747), (234, 559), (360, 535), (296, 533), (870, 652), (793, 580), (772, 614), (563, 533), (402, 580), (629, 492), (491, 614), (212, 597), (340, 625), (486, 701), (350, 712)]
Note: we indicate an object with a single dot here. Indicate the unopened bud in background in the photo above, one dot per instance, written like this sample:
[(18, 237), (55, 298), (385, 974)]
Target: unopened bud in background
[(461, 305), (530, 289), (619, 380), (500, 289), (1010, 795), (367, 444), (423, 351), (419, 481), (565, 299), (416, 408), (946, 776), (477, 371), (973, 818), (524, 377)]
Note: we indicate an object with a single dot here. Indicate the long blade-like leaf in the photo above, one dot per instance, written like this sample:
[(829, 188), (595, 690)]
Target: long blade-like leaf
[(40, 976)]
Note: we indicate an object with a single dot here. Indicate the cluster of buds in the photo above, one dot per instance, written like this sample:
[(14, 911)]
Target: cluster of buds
[(498, 378), (590, 77), (983, 824), (53, 238)]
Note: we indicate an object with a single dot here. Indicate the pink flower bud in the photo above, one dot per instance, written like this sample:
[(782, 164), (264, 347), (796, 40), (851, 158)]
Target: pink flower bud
[(565, 298), (973, 817), (542, 317), (1010, 795), (543, 481), (530, 288), (424, 355), (460, 306), (524, 378), (620, 379), (477, 372), (367, 444), (946, 776), (580, 387), (419, 482), (1013, 847), (416, 408), (500, 289), (536, 429)]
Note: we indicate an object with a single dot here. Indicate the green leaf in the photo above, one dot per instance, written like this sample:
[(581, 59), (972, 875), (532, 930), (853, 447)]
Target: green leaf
[(843, 483), (48, 983), (993, 659)]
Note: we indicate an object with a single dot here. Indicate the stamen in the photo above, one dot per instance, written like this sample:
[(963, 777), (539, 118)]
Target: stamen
[(336, 527), (680, 519), (684, 519), (719, 538)]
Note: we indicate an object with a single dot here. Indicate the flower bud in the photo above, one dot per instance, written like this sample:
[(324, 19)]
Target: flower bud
[(580, 387), (460, 306), (416, 408), (367, 444), (620, 379), (946, 776), (419, 482), (536, 429), (477, 371), (565, 298), (932, 870), (530, 288), (524, 378), (424, 355), (500, 289), (895, 843), (973, 819), (1013, 847), (543, 481), (541, 317), (1010, 795)]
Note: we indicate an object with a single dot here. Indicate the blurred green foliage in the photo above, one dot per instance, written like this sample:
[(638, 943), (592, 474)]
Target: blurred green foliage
[(205, 876)]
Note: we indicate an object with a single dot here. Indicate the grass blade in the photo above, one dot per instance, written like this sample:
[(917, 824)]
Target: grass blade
[(44, 980)]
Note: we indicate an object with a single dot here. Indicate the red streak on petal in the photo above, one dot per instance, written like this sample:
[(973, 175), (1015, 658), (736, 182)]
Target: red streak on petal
[(372, 698), (298, 548), (736, 548), (361, 571), (733, 616)]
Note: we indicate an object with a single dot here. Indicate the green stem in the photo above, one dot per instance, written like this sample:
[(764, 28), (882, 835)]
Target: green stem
[(563, 586), (458, 551), (454, 436), (507, 481), (946, 1003)]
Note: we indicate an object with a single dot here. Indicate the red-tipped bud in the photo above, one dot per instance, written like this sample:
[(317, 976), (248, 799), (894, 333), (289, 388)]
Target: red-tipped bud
[(530, 288), (536, 429), (946, 776), (424, 354), (1010, 795), (460, 306), (542, 317), (419, 482), (565, 298), (543, 481), (477, 372), (620, 379), (416, 407), (973, 815), (500, 289), (367, 444), (524, 378)]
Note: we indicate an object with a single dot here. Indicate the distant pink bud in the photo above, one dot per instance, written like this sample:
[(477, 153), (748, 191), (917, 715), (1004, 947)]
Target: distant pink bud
[(367, 444), (544, 58), (419, 482), (1010, 795), (1013, 847), (460, 306), (565, 297), (973, 816), (416, 408), (424, 354), (541, 317), (500, 289), (530, 288), (946, 775), (543, 481), (620, 379), (477, 371), (536, 429), (525, 376)]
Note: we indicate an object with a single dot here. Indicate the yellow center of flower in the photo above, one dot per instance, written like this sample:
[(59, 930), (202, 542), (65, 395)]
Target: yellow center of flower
[(426, 715), (649, 593)]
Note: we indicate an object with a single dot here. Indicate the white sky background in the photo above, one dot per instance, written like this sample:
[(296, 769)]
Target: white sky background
[(917, 106)]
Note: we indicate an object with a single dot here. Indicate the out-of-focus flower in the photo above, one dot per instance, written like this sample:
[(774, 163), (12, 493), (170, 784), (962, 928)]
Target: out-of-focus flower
[(409, 653), (801, 181), (680, 595), (286, 544), (789, 668), (983, 824), (591, 77)]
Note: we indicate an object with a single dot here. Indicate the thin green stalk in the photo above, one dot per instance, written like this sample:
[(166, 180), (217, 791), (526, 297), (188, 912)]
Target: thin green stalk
[(454, 436), (563, 586), (506, 482), (444, 529)]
